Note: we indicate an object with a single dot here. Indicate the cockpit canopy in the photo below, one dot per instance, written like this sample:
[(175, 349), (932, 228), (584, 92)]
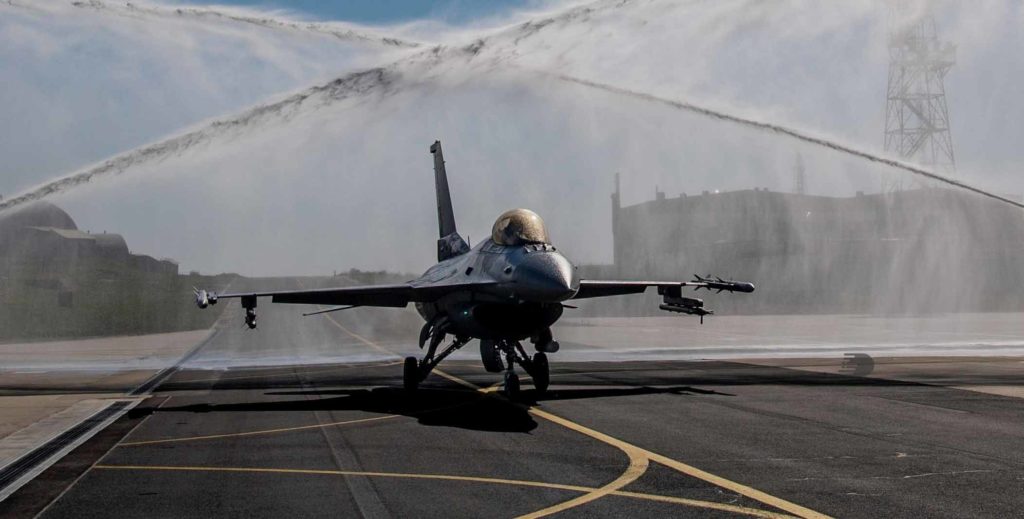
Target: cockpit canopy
[(519, 227)]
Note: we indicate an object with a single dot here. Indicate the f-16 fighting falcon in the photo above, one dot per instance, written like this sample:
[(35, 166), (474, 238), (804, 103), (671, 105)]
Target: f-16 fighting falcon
[(507, 289)]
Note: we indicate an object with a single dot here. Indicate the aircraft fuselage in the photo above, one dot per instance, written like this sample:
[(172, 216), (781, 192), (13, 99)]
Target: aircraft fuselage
[(527, 284)]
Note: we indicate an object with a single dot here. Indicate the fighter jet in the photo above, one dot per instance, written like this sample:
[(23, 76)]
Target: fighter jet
[(509, 288)]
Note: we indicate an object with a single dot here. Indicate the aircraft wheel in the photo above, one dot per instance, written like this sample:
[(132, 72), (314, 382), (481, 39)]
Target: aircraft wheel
[(411, 374), (540, 372), (511, 384), (491, 356)]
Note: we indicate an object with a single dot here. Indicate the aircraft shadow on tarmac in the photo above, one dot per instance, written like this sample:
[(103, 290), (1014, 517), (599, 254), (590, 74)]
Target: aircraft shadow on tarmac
[(461, 408), (452, 408), (468, 409)]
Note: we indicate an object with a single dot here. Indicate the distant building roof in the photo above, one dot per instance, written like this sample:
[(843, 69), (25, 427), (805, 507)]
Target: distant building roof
[(111, 242), (36, 214), (38, 230), (68, 234), (108, 244)]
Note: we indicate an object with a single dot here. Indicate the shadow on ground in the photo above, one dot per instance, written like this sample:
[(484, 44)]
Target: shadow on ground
[(465, 408), (460, 408)]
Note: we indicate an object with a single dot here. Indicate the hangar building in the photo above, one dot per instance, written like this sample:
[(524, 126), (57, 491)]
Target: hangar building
[(44, 239), (919, 250)]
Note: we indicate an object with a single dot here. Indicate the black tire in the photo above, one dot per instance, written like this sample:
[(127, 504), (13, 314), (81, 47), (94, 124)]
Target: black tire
[(491, 356), (540, 371), (511, 384), (541, 340), (411, 374)]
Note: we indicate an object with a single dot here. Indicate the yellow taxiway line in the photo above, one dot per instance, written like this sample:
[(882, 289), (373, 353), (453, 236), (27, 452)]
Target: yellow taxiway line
[(753, 512), (637, 466), (639, 460), (256, 433), (632, 451)]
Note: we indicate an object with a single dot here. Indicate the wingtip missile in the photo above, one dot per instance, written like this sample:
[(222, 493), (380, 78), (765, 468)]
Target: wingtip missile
[(719, 284), (204, 298)]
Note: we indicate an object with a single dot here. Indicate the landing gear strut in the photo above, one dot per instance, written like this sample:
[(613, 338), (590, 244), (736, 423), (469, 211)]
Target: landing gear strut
[(249, 303), (415, 371), (540, 372), (411, 374), (511, 384)]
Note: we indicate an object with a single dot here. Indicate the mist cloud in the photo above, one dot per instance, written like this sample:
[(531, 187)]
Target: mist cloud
[(319, 173)]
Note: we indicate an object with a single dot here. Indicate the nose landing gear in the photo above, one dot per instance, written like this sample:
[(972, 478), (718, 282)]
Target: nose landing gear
[(536, 367)]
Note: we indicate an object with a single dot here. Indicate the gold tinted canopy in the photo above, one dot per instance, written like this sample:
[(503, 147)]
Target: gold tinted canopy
[(519, 227)]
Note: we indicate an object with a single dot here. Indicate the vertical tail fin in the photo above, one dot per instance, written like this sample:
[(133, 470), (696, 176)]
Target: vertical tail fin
[(445, 214), (450, 243)]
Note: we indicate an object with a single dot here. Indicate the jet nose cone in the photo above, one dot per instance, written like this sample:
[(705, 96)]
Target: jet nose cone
[(546, 277)]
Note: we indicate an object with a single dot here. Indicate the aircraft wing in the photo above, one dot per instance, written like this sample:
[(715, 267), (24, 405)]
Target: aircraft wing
[(372, 295), (341, 298), (600, 288), (592, 288), (671, 292), (396, 295)]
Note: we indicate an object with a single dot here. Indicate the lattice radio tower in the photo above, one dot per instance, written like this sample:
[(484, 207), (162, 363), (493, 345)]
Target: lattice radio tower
[(916, 117)]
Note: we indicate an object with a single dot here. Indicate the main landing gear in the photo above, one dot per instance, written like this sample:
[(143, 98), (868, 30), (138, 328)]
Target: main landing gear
[(415, 371), (497, 356), (249, 303)]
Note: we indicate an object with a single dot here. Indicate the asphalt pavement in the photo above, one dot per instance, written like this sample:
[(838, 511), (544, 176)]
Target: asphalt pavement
[(649, 438)]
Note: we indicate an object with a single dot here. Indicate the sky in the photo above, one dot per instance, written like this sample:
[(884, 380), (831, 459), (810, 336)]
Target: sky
[(343, 179)]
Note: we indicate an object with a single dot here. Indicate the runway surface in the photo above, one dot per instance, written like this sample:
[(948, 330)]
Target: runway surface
[(651, 438)]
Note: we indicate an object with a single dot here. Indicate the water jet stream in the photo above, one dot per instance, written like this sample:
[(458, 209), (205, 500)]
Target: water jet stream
[(384, 79), (340, 88), (365, 82), (789, 132), (377, 80)]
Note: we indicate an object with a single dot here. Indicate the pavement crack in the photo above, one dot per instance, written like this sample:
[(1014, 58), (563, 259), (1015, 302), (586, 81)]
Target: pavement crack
[(361, 490), (908, 476)]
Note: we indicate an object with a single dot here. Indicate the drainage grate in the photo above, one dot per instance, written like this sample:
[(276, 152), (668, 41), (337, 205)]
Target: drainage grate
[(26, 463)]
